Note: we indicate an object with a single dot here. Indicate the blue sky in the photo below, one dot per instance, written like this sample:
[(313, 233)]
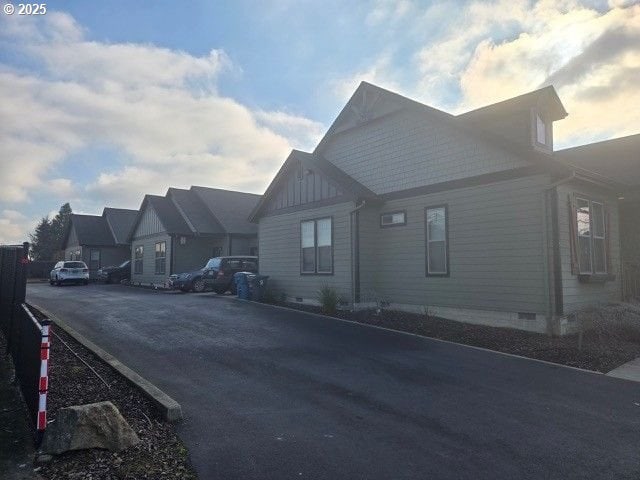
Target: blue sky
[(106, 101)]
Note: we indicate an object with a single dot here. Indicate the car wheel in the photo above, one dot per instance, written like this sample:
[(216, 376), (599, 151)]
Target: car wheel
[(58, 282), (219, 291), (198, 285), (86, 282), (233, 288), (51, 282)]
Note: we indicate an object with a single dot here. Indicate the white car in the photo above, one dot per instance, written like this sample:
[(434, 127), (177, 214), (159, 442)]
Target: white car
[(70, 271)]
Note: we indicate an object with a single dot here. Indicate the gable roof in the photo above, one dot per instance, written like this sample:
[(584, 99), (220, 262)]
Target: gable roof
[(617, 159), (120, 222), (545, 98), (194, 211), (90, 230), (230, 209), (167, 213), (314, 161)]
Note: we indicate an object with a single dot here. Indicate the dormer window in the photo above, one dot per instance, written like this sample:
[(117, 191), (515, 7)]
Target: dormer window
[(541, 131)]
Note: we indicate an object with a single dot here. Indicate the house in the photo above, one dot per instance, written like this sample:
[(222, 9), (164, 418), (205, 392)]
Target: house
[(178, 232), (99, 240), (469, 217), (618, 159)]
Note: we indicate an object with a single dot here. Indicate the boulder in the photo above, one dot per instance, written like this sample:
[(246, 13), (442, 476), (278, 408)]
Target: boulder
[(96, 425)]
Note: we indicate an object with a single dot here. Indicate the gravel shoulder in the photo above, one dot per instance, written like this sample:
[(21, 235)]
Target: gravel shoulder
[(160, 454)]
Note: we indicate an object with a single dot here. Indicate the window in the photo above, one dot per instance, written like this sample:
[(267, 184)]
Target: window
[(161, 257), (591, 233), (216, 252), (253, 251), (316, 241), (541, 130), (436, 236), (393, 219), (137, 257)]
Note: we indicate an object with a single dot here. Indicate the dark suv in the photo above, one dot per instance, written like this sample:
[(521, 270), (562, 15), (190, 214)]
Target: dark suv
[(115, 274), (216, 275)]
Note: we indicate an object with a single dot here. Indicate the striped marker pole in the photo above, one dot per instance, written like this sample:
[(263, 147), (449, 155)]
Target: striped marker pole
[(43, 386)]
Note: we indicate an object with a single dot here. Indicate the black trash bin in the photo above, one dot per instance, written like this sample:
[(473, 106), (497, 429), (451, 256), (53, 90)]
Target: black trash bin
[(258, 286)]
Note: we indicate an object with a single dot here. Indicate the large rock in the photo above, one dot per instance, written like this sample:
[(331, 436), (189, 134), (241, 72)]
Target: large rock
[(96, 425)]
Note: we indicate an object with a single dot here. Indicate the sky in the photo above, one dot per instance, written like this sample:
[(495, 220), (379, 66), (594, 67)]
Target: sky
[(102, 102)]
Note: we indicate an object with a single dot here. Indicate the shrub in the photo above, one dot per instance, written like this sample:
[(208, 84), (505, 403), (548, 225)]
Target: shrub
[(328, 298)]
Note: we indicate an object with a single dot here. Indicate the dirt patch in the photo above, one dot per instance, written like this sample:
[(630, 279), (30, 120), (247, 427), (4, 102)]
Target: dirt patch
[(160, 454), (602, 349)]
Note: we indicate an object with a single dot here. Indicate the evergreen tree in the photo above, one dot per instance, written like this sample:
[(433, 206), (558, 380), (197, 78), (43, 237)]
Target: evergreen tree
[(59, 225), (47, 238), (42, 247)]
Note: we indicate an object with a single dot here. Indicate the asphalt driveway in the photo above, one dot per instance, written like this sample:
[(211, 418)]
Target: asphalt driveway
[(273, 394)]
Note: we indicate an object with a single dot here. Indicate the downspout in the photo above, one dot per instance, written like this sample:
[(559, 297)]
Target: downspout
[(355, 253)]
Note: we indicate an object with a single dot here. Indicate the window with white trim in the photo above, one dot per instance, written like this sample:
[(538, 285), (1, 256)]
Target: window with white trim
[(592, 236), (393, 219), (316, 243), (436, 237)]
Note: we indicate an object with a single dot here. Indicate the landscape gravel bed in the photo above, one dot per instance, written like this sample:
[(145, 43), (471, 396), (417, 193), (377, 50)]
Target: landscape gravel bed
[(159, 455), (601, 351)]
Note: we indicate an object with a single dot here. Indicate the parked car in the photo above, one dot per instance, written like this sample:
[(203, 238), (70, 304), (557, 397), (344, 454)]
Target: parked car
[(115, 273), (69, 272), (216, 275)]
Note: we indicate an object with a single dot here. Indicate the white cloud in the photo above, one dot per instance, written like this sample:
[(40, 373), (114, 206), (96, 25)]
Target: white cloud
[(388, 11), (161, 108), (13, 227), (492, 50)]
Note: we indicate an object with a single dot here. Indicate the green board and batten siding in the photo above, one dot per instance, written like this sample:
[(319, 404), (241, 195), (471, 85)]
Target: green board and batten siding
[(149, 232)]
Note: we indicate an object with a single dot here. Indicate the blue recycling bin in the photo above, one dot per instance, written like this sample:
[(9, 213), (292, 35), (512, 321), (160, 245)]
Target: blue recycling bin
[(242, 285)]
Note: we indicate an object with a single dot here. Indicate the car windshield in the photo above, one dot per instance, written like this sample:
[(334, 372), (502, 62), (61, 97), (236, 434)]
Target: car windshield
[(74, 265), (124, 264), (213, 263)]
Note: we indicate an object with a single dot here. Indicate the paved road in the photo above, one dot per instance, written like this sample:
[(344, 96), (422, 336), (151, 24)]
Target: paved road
[(272, 394)]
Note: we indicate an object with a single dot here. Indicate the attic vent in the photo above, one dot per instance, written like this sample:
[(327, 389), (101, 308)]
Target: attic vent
[(526, 316)]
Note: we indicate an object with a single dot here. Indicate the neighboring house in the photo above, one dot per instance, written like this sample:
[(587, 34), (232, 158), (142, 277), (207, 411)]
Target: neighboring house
[(469, 217), (618, 159), (180, 231), (99, 240)]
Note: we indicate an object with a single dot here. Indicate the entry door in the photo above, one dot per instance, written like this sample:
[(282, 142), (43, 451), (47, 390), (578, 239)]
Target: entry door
[(94, 261)]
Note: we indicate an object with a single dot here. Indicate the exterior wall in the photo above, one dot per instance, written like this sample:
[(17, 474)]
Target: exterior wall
[(301, 188), (369, 228), (71, 251), (408, 149), (496, 250), (241, 245), (148, 275), (279, 247), (149, 224), (577, 295), (195, 253), (630, 231)]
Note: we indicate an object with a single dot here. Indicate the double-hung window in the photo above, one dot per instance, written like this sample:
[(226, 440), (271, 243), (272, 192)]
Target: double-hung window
[(161, 258), (436, 238), (591, 236), (137, 259), (316, 241)]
